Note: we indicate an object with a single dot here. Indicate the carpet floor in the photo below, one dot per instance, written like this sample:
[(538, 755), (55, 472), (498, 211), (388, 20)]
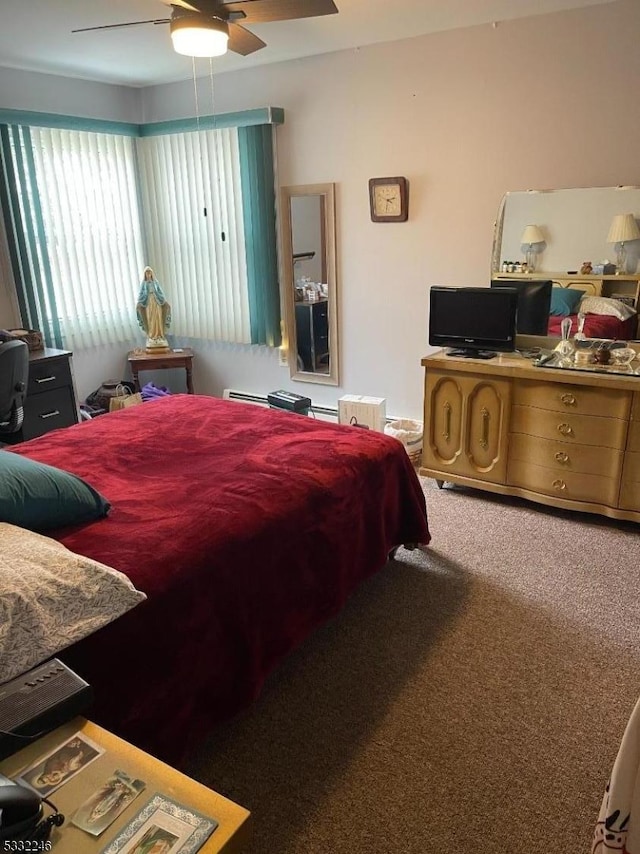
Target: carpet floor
[(469, 698)]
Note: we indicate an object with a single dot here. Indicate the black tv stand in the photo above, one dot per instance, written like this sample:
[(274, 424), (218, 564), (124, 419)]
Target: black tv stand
[(472, 354)]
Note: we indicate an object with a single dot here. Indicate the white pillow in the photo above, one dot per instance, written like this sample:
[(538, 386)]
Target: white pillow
[(51, 598), (606, 305)]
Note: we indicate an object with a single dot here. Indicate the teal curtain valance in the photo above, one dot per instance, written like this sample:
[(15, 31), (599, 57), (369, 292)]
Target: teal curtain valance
[(242, 118)]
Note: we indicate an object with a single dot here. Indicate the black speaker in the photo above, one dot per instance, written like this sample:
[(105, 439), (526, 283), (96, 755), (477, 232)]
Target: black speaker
[(37, 702)]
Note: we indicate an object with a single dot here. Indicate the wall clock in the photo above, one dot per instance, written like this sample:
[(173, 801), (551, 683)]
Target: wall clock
[(389, 199)]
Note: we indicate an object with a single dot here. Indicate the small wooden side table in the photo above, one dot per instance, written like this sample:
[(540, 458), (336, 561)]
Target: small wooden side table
[(230, 837), (140, 360)]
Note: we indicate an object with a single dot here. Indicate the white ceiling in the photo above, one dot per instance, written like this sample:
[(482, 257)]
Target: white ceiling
[(36, 34)]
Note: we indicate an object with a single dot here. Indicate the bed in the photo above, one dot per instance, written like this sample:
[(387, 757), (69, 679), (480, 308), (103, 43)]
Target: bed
[(598, 326), (245, 527), (604, 317)]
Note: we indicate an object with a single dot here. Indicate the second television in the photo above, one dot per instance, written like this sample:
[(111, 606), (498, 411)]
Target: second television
[(534, 302)]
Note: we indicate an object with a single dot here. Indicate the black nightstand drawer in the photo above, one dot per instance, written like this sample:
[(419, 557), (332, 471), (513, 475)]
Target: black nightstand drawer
[(48, 411), (49, 374), (51, 400), (321, 344)]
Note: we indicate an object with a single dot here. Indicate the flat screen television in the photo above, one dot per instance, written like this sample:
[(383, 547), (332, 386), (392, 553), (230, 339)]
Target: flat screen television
[(475, 322), (534, 302)]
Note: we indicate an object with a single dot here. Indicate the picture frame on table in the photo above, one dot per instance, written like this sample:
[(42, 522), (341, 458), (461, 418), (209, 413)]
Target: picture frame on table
[(163, 826)]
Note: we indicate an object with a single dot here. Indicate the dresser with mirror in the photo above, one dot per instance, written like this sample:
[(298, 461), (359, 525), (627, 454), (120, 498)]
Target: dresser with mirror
[(559, 434)]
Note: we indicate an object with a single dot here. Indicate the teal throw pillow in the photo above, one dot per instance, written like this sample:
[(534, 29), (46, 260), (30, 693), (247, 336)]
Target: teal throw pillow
[(38, 497), (564, 301)]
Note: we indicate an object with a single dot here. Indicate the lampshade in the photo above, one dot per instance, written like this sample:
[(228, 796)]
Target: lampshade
[(623, 227), (199, 35), (532, 234)]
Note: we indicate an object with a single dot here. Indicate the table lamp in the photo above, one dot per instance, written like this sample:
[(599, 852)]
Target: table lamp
[(623, 228), (530, 236)]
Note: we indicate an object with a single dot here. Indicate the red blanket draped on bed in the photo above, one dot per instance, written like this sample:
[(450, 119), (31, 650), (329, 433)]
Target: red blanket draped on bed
[(598, 326), (246, 528)]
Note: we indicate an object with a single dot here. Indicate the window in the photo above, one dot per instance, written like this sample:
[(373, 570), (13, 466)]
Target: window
[(87, 210), (192, 213), (80, 251)]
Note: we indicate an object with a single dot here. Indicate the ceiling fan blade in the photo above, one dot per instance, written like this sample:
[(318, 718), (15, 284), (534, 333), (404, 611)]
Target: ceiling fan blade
[(117, 26), (183, 4), (263, 11), (242, 41)]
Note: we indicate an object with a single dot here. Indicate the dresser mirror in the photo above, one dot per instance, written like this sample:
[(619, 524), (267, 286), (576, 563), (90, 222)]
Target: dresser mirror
[(573, 223), (573, 233), (309, 281)]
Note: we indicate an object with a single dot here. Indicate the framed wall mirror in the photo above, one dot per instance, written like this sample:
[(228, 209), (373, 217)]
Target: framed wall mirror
[(308, 238)]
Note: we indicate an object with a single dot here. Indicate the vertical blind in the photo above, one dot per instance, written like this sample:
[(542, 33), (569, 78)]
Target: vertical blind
[(78, 249), (192, 215), (86, 211)]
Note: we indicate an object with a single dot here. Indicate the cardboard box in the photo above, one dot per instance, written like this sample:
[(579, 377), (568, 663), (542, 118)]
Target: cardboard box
[(359, 409)]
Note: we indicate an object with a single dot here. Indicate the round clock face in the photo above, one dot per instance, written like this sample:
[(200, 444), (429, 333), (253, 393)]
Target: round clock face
[(387, 200)]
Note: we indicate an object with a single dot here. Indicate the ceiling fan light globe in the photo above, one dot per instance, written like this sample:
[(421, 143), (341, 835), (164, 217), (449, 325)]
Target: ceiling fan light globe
[(199, 36)]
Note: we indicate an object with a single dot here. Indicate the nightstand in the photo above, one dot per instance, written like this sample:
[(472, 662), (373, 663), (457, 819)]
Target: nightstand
[(140, 360), (312, 333), (230, 837), (51, 401)]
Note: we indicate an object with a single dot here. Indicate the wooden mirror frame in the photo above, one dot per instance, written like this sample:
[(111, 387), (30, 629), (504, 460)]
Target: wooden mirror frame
[(327, 194)]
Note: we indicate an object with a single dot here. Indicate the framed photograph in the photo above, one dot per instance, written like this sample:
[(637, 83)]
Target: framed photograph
[(106, 804), (163, 826), (53, 770)]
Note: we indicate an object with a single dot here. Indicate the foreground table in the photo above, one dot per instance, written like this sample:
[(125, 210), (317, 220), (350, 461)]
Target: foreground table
[(230, 837)]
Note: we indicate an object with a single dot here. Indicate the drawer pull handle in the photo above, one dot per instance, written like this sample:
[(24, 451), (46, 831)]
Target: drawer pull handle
[(565, 429), (559, 484), (561, 457), (447, 422), (484, 438), (568, 399), (45, 379), (50, 414)]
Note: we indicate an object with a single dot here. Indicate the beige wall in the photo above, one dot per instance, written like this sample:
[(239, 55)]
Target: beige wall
[(549, 101)]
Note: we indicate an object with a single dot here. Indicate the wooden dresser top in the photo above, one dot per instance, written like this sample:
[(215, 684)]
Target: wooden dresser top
[(514, 365)]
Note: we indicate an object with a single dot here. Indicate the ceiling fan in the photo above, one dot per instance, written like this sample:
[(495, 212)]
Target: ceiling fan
[(210, 27)]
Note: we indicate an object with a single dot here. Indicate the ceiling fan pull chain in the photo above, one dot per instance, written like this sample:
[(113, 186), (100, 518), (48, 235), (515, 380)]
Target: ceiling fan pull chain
[(195, 97), (223, 236)]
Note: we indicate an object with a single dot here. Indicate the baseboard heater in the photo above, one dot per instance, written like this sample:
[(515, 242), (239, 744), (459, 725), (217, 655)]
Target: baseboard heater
[(261, 400)]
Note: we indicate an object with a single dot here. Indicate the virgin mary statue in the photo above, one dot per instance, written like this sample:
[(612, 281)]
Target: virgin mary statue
[(153, 312)]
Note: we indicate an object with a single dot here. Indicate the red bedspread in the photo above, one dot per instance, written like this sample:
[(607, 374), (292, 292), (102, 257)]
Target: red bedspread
[(598, 326), (246, 528)]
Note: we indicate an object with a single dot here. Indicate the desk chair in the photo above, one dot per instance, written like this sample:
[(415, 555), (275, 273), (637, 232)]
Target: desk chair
[(14, 373)]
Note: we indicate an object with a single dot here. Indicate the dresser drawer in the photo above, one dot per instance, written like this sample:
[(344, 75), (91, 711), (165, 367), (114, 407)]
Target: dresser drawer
[(564, 456), (568, 427), (630, 492), (48, 374), (633, 442), (631, 471), (48, 411), (562, 397), (574, 486), (630, 487)]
